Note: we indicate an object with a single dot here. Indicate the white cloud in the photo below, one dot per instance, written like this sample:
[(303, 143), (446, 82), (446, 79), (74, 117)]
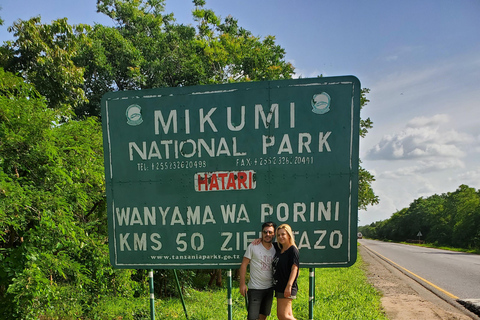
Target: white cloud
[(471, 177), (423, 167), (423, 137), (419, 122), (299, 73), (426, 155), (440, 87), (391, 58), (404, 52)]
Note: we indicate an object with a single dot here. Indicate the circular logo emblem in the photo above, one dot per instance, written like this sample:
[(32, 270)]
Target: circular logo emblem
[(321, 103), (134, 115)]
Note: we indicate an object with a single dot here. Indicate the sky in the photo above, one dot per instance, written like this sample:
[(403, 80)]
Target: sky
[(419, 58)]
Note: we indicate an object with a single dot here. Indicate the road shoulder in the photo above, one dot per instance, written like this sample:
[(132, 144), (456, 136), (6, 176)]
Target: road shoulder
[(404, 298)]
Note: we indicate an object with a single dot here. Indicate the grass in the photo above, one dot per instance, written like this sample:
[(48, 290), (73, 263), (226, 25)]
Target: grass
[(341, 293)]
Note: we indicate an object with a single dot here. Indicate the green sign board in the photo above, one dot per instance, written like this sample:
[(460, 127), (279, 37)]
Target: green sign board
[(193, 172)]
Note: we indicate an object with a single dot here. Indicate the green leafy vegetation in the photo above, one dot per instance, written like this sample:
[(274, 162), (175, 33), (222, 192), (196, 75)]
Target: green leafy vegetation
[(54, 259), (451, 219)]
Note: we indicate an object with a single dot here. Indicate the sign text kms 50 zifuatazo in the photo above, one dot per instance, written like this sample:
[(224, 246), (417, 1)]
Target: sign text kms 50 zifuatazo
[(193, 172)]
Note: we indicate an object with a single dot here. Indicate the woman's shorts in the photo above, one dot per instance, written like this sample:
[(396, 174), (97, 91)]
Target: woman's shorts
[(280, 295)]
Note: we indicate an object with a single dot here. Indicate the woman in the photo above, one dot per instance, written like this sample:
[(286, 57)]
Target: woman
[(285, 266)]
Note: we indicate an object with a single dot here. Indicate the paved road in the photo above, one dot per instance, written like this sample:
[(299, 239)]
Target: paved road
[(456, 273)]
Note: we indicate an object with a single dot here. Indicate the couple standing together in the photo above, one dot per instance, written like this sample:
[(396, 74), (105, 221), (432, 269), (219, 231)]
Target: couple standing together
[(274, 268)]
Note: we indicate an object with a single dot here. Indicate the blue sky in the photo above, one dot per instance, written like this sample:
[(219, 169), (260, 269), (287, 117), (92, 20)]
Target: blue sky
[(419, 58)]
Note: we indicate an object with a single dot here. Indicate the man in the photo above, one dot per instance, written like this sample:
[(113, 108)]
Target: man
[(260, 287)]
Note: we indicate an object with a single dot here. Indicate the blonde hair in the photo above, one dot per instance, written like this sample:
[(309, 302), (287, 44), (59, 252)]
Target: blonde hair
[(289, 231)]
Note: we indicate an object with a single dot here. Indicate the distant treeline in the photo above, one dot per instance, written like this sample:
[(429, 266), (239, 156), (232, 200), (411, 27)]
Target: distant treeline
[(449, 219)]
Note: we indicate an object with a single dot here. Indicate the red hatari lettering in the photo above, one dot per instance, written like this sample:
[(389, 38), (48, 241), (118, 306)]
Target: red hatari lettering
[(222, 180)]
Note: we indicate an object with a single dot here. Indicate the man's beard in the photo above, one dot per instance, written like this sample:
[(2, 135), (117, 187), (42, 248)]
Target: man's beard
[(268, 241)]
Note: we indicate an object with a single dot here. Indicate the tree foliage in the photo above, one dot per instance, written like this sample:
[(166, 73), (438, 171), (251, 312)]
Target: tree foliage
[(42, 54), (52, 221), (75, 65), (366, 195), (450, 219), (53, 224)]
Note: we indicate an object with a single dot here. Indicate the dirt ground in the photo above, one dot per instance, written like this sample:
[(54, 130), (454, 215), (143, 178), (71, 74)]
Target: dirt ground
[(405, 299)]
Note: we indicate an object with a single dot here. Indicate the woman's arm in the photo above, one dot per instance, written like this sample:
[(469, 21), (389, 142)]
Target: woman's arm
[(293, 274)]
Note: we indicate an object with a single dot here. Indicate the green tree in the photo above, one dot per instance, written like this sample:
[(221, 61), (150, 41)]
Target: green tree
[(146, 49), (52, 210), (466, 227), (42, 54), (451, 219), (156, 52), (52, 221), (366, 194)]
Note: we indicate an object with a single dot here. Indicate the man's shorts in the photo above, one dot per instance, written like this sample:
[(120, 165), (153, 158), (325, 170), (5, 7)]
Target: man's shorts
[(259, 302)]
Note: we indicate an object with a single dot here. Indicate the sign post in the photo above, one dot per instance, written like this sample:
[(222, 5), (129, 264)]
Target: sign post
[(152, 295), (311, 294), (193, 172)]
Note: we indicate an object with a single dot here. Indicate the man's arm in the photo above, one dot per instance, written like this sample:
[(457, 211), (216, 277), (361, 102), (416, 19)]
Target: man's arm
[(243, 272)]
